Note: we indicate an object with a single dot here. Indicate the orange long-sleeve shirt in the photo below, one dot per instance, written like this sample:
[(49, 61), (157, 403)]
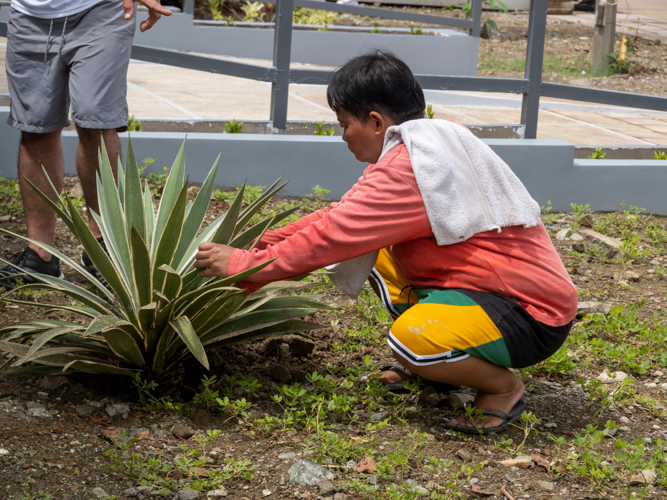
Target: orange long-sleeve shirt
[(385, 210)]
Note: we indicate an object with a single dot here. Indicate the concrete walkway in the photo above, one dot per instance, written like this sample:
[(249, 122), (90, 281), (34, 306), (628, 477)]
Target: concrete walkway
[(163, 92)]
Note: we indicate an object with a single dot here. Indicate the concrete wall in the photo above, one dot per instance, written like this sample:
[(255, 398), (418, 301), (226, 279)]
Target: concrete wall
[(546, 167), (455, 53)]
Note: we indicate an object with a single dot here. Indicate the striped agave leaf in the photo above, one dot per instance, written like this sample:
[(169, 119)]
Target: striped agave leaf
[(157, 311)]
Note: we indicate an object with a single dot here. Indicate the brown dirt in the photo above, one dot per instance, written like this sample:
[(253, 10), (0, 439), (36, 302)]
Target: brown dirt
[(64, 455)]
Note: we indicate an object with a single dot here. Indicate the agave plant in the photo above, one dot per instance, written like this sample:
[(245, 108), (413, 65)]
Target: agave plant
[(156, 311)]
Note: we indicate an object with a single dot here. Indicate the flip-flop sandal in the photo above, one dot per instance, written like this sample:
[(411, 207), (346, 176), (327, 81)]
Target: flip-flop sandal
[(399, 388), (508, 418)]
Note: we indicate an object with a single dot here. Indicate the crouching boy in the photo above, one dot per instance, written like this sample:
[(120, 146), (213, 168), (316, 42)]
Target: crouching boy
[(449, 237)]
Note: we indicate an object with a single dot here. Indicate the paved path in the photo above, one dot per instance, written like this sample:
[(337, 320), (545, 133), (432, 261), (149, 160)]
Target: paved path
[(163, 92)]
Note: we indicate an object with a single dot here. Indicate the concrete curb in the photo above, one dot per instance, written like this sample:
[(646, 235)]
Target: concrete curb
[(547, 167)]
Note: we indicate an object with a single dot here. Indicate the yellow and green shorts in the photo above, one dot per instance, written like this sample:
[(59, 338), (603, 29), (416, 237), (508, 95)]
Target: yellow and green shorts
[(433, 326)]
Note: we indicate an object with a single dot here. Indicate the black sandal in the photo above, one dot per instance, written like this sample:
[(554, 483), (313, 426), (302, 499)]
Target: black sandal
[(508, 418)]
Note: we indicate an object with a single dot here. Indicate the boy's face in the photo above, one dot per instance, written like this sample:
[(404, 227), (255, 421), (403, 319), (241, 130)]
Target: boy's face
[(364, 139)]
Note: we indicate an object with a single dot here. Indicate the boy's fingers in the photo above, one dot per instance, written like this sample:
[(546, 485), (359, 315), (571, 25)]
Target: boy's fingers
[(128, 8), (150, 22), (156, 6), (202, 263), (207, 245)]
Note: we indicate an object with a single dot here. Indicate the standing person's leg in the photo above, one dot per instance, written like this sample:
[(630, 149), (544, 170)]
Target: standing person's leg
[(87, 165), (38, 81), (37, 151)]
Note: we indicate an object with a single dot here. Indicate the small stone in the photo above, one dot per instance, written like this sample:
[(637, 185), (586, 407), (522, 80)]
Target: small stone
[(609, 432), (84, 410), (287, 455), (39, 412), (655, 262), (651, 385), (340, 496), (649, 476), (350, 464), (266, 493), (372, 480), (611, 246), (637, 479), (460, 400), (563, 234), (238, 392), (5, 218), (647, 440), (50, 382), (31, 405), (514, 468), (326, 488), (550, 425), (436, 399), (523, 462), (663, 386), (307, 473), (490, 31), (284, 352), (632, 276), (118, 410), (3, 452), (99, 493), (216, 494), (144, 490), (131, 493), (577, 237), (545, 485), (578, 247), (464, 455), (379, 416), (586, 220), (187, 495), (182, 432), (417, 487), (624, 420), (615, 378), (658, 374), (624, 428)]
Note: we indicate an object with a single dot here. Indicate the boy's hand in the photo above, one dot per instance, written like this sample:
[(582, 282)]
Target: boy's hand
[(213, 259)]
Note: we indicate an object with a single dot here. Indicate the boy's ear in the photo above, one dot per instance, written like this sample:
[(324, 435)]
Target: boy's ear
[(378, 121)]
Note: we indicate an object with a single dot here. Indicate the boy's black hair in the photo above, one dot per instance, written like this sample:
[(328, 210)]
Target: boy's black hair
[(378, 81)]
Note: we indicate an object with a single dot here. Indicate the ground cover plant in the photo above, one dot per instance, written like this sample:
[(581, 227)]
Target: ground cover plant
[(264, 406), (154, 311)]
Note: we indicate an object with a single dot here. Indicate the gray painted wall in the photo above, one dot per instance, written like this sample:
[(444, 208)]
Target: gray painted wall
[(546, 167), (453, 54)]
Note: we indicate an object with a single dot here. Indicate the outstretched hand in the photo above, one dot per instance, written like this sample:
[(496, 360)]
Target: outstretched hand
[(213, 259), (155, 12)]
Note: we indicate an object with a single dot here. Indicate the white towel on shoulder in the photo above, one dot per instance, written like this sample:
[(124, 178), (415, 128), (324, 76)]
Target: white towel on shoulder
[(467, 189)]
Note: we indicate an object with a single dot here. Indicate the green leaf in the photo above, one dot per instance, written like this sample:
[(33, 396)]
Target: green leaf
[(124, 344), (112, 223), (189, 337), (134, 198), (196, 214), (258, 229), (253, 321), (170, 194), (96, 367), (218, 311), (41, 340), (102, 323), (149, 213), (172, 284), (257, 205), (225, 232), (292, 326), (141, 266), (168, 240)]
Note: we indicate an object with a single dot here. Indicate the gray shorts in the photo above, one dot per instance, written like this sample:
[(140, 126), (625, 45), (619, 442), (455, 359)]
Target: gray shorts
[(80, 60)]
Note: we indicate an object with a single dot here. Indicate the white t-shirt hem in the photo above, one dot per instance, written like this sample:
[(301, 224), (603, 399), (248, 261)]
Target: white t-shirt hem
[(62, 8)]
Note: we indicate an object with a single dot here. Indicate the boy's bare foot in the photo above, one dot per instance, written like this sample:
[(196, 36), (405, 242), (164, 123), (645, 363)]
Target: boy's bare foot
[(393, 376), (504, 401)]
